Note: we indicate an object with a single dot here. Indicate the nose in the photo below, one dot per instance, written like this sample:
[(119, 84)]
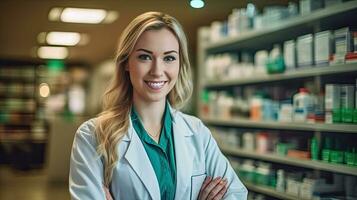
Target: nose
[(157, 68)]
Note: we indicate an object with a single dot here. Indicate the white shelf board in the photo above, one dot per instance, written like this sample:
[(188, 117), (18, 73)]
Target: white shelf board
[(246, 123), (312, 164)]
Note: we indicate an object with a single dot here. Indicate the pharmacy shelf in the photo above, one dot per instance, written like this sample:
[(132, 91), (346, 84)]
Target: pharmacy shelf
[(269, 191), (317, 127), (312, 164), (293, 74), (285, 29)]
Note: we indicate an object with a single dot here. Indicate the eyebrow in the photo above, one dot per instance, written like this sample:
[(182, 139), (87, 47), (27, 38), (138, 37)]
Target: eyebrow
[(150, 52)]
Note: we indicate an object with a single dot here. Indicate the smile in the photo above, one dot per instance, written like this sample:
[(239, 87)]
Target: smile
[(155, 85)]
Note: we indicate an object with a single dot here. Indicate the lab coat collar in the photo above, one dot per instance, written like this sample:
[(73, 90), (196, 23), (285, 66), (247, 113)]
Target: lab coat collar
[(142, 165)]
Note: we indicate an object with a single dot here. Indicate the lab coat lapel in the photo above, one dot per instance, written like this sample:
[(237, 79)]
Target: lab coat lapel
[(184, 160), (139, 161)]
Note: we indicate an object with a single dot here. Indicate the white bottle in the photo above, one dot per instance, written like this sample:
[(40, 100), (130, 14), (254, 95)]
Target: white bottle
[(303, 105)]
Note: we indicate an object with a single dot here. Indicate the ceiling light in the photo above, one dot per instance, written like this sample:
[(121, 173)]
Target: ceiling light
[(63, 38), (48, 52), (197, 3), (82, 15)]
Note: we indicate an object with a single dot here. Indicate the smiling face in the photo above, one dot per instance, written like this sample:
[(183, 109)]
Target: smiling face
[(154, 65)]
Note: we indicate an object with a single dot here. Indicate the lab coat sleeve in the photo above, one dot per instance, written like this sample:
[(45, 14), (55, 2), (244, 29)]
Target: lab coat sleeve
[(218, 165), (86, 168)]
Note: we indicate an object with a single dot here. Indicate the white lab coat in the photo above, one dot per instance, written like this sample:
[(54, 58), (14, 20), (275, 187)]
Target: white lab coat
[(197, 156)]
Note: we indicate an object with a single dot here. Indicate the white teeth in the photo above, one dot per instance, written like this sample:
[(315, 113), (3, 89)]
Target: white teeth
[(156, 85)]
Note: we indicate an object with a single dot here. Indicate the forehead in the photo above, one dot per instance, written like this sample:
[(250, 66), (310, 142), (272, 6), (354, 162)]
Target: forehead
[(158, 41)]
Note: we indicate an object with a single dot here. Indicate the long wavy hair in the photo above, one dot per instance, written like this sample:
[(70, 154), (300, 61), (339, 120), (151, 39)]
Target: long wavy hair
[(113, 122)]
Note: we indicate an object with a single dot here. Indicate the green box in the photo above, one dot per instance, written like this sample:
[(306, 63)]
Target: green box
[(326, 155), (347, 115), (355, 116), (336, 115), (350, 158), (337, 156)]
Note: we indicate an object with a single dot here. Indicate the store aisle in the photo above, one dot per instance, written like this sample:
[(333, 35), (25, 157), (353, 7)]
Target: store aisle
[(30, 185)]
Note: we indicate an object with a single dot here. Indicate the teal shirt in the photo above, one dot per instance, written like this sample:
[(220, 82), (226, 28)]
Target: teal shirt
[(162, 154)]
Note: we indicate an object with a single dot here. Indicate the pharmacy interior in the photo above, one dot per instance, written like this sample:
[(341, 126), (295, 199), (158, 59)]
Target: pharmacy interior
[(276, 83)]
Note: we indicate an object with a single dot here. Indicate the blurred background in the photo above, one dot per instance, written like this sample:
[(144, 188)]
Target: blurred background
[(275, 81)]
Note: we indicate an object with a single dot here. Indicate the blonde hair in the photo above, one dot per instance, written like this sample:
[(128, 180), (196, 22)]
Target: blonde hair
[(113, 123)]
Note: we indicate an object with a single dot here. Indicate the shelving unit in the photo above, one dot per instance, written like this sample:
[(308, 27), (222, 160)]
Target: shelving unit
[(312, 164), (316, 127), (270, 192), (291, 27), (19, 107), (288, 75), (330, 18)]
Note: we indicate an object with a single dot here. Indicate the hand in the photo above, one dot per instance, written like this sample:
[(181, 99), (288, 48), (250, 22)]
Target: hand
[(213, 189), (107, 194)]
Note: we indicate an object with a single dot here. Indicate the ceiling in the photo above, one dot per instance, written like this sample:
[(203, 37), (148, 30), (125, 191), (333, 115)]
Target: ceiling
[(22, 20)]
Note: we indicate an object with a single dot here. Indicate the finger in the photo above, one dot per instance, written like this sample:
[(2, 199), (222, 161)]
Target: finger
[(220, 186), (205, 183), (209, 187), (221, 193), (208, 179)]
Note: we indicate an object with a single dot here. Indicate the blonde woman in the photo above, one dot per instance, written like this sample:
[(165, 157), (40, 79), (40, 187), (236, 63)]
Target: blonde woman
[(141, 146)]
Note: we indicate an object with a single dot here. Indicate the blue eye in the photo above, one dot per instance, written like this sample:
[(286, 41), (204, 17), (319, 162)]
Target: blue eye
[(169, 58), (144, 57)]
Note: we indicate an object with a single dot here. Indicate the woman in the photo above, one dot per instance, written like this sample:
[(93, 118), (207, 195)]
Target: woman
[(140, 146)]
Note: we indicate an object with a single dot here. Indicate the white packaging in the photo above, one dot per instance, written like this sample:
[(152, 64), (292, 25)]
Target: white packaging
[(233, 23), (343, 44), (307, 6), (290, 54), (260, 60), (306, 189), (305, 50), (332, 97), (328, 117), (258, 22), (280, 180), (216, 27), (303, 105), (323, 47), (248, 141), (347, 96), (293, 187), (286, 113)]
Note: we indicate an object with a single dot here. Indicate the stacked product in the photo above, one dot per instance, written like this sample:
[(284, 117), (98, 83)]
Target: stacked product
[(340, 103)]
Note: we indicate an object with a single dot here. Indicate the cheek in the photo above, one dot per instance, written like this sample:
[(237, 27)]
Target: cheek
[(174, 72)]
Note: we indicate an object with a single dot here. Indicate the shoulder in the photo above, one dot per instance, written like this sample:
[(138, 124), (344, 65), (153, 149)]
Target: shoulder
[(87, 130)]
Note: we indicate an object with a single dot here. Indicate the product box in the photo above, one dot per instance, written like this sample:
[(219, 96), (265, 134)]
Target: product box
[(351, 57), (290, 54), (307, 6), (343, 44), (305, 50), (323, 47), (347, 96), (293, 187), (332, 97)]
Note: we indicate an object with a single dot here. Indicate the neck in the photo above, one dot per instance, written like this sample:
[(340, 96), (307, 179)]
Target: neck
[(150, 113)]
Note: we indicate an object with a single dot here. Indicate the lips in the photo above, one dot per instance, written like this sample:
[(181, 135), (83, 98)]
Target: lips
[(155, 85)]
